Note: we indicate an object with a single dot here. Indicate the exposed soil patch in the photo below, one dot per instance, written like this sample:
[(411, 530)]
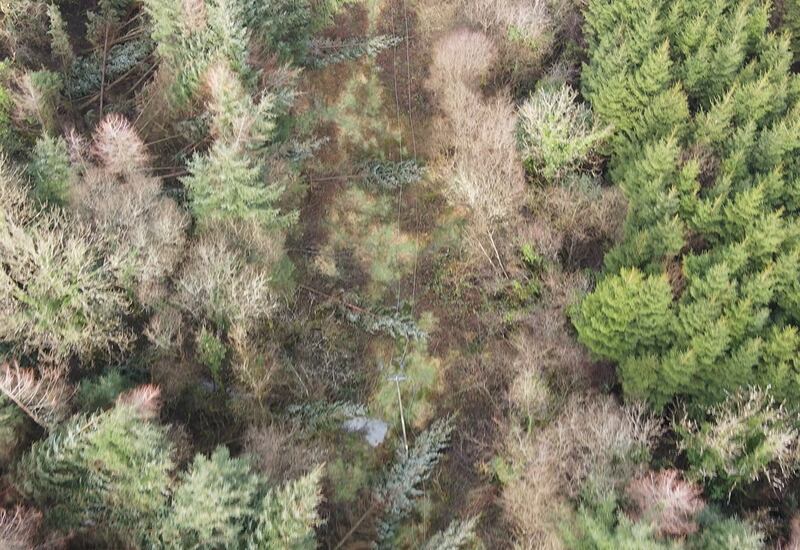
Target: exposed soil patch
[(583, 253)]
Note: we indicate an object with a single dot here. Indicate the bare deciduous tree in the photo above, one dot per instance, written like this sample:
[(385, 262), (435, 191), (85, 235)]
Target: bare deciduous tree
[(220, 284), (117, 196), (478, 159), (591, 437), (118, 148)]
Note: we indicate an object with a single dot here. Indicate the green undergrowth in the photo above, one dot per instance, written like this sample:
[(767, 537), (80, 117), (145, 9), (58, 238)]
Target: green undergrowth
[(366, 122), (419, 375), (363, 227)]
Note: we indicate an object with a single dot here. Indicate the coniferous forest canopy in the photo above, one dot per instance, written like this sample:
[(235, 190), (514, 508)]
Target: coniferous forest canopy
[(435, 274)]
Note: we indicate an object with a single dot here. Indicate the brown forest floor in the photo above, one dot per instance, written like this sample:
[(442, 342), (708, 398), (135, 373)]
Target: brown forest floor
[(470, 352)]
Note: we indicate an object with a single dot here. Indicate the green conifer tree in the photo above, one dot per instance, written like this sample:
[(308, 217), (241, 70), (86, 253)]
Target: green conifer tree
[(706, 123), (626, 315), (220, 503), (286, 516), (324, 52), (748, 437), (212, 504), (59, 38), (50, 170), (228, 183), (791, 22), (400, 486), (109, 471)]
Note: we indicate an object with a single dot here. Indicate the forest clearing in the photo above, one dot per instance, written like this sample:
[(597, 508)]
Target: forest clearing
[(429, 274)]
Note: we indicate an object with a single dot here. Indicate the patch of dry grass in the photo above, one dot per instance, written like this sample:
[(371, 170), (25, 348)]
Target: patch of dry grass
[(278, 453), (363, 227)]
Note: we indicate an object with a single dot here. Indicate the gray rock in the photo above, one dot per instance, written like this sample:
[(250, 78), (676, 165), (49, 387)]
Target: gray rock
[(373, 430)]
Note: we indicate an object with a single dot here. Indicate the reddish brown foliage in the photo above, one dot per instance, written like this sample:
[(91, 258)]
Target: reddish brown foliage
[(668, 500), (145, 400)]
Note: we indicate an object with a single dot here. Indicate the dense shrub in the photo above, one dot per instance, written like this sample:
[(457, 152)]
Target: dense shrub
[(666, 501), (746, 438), (58, 295), (10, 142), (591, 439), (211, 352), (599, 524), (557, 135), (12, 430), (705, 119), (721, 533), (101, 391)]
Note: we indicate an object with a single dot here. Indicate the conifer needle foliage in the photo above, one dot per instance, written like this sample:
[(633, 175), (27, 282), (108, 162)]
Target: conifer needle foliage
[(401, 485), (701, 295)]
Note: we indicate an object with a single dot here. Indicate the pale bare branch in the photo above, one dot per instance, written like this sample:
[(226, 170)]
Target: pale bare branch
[(145, 400), (44, 399), (18, 528)]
